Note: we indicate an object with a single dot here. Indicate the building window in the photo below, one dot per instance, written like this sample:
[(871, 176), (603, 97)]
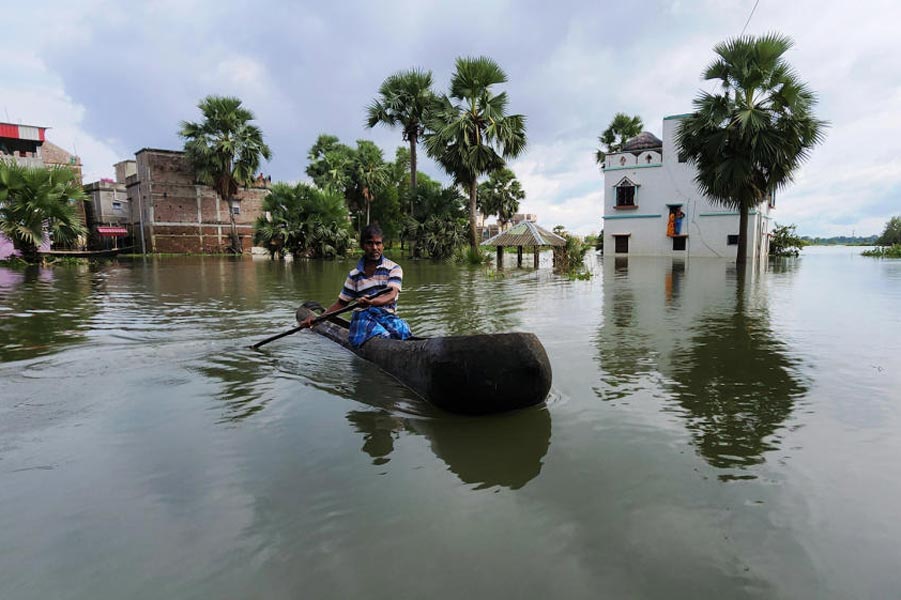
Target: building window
[(625, 195), (621, 244), (236, 210), (732, 240), (679, 243), (117, 206)]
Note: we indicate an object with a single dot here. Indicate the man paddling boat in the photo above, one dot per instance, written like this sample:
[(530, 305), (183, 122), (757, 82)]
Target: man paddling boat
[(376, 317)]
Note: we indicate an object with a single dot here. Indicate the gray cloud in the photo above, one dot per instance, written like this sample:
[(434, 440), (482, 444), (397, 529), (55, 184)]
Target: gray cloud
[(121, 76)]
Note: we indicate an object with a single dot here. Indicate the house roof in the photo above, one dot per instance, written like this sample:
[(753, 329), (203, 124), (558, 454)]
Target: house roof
[(525, 234), (643, 141)]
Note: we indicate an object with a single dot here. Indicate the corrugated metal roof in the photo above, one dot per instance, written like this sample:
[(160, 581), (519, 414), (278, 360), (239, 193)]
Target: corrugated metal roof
[(22, 132), (525, 234)]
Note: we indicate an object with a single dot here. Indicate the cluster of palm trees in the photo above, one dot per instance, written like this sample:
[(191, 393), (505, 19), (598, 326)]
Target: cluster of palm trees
[(467, 131)]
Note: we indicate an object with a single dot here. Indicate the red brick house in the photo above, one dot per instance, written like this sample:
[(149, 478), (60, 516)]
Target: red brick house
[(171, 212)]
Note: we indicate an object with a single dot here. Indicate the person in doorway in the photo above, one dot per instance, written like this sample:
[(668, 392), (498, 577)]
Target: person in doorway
[(671, 224), (375, 317), (678, 221)]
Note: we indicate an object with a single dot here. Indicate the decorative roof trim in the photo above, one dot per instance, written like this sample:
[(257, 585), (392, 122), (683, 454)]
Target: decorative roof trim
[(626, 182), (632, 167), (608, 217)]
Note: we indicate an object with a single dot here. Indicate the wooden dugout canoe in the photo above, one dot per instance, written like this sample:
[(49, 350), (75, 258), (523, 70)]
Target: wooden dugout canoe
[(470, 374)]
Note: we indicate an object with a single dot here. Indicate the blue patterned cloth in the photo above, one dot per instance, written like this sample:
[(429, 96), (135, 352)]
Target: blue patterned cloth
[(376, 322)]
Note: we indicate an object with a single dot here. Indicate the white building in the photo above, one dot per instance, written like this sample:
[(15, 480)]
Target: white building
[(646, 187)]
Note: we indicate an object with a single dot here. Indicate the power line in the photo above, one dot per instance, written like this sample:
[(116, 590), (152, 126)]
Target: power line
[(749, 17)]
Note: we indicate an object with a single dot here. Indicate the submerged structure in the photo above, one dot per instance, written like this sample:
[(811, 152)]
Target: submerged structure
[(653, 207)]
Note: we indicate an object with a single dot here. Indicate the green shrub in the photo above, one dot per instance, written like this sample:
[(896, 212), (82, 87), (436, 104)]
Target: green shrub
[(569, 259), (472, 256), (784, 241), (893, 251)]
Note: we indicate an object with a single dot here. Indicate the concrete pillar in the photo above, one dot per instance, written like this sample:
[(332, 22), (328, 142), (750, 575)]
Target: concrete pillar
[(536, 256), (500, 257), (519, 256)]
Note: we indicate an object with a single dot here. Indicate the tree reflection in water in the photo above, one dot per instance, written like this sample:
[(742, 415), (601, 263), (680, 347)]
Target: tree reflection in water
[(45, 309), (245, 380), (690, 334), (459, 302), (737, 384)]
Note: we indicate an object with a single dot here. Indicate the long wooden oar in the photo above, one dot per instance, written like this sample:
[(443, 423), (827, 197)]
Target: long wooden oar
[(318, 319)]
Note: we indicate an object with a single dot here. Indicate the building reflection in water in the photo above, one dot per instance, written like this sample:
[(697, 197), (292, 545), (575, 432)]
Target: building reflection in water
[(736, 382), (690, 332)]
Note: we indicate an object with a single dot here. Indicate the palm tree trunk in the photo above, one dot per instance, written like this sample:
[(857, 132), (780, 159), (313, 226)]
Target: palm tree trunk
[(742, 257), (412, 171), (412, 168), (368, 202), (473, 233), (236, 240), (28, 251)]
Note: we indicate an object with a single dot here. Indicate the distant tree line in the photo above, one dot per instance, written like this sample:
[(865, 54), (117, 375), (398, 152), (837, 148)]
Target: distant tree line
[(840, 240)]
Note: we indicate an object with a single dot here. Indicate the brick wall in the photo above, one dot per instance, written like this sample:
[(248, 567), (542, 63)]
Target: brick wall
[(53, 155), (181, 215)]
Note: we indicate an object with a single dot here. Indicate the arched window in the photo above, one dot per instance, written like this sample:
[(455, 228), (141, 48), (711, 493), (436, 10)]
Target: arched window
[(625, 193)]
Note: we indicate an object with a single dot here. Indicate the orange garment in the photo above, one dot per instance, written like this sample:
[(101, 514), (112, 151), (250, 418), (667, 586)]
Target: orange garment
[(671, 225)]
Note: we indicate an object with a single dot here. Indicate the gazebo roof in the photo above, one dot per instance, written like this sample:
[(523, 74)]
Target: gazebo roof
[(525, 234)]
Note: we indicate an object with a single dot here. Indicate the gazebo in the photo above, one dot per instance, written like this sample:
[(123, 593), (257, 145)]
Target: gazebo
[(523, 234)]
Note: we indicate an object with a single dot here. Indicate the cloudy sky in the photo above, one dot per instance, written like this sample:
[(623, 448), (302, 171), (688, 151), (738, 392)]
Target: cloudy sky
[(111, 77)]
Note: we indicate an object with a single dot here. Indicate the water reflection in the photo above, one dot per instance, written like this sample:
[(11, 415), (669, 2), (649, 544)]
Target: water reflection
[(736, 382), (690, 332), (441, 301), (501, 450), (245, 383), (44, 310), (380, 429), (625, 350), (672, 283)]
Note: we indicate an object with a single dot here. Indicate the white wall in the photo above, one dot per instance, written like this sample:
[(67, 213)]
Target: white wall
[(663, 181)]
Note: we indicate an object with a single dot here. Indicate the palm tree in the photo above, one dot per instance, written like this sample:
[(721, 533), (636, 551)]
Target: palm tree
[(225, 150), (621, 128), (370, 173), (35, 201), (476, 136), (405, 99), (501, 195), (749, 139)]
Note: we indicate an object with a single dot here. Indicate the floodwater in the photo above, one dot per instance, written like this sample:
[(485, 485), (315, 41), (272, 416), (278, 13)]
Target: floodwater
[(707, 436)]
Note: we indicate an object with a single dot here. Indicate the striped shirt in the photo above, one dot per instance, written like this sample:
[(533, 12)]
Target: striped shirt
[(387, 274)]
